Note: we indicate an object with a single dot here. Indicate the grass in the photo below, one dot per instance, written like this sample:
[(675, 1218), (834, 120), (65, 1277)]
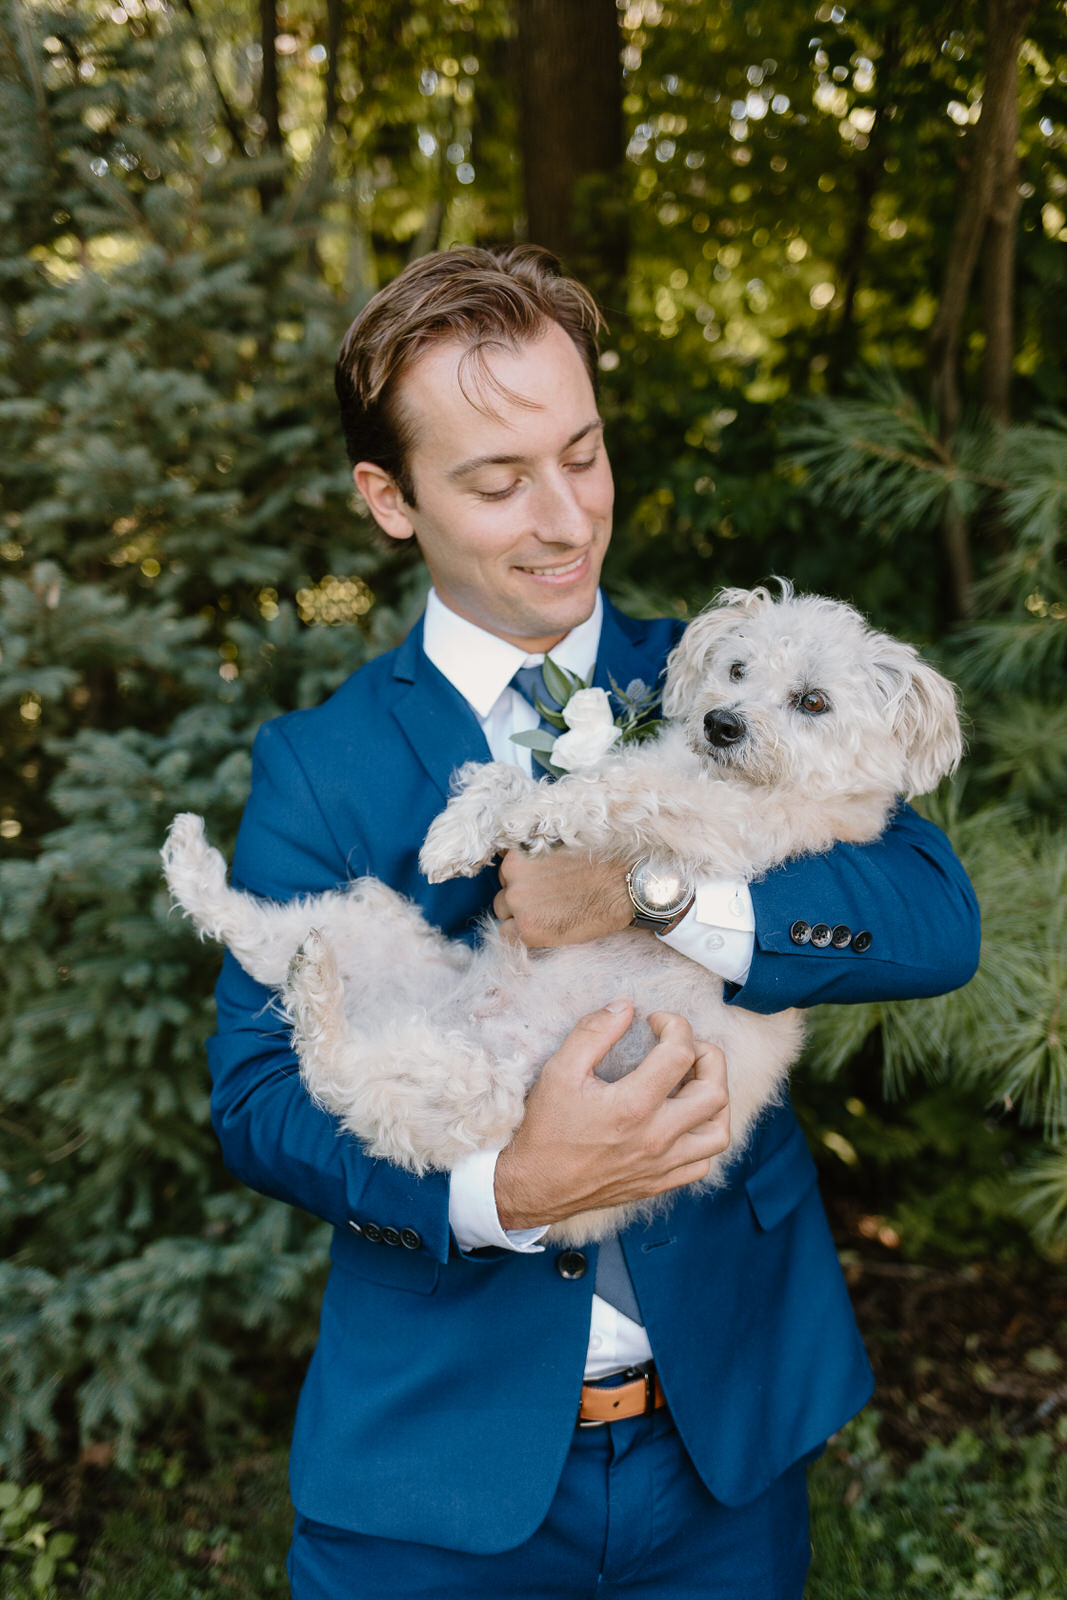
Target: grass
[(976, 1519)]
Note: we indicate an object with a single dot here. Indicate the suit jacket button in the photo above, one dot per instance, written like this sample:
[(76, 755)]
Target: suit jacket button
[(411, 1238), (354, 1225), (821, 935), (391, 1236), (841, 937), (372, 1233), (862, 941), (800, 932), (572, 1264)]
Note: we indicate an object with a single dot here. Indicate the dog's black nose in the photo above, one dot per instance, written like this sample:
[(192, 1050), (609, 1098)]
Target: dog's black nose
[(723, 728)]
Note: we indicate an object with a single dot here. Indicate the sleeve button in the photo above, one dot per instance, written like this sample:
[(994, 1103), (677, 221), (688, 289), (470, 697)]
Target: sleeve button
[(372, 1233), (821, 935), (354, 1225), (391, 1236), (862, 941), (800, 932), (841, 937), (411, 1238)]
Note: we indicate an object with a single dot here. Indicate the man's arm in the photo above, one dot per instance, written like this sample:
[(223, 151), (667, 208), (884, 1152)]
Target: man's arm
[(906, 890), (272, 1136)]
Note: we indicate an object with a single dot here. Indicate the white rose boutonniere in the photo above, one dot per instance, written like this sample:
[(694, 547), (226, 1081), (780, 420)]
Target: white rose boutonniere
[(591, 730), (588, 726)]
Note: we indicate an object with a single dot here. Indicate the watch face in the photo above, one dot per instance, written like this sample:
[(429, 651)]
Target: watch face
[(658, 890)]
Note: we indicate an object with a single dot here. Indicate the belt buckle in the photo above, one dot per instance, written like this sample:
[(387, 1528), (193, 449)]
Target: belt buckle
[(647, 1372)]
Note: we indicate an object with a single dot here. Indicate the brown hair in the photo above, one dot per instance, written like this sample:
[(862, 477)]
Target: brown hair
[(485, 299)]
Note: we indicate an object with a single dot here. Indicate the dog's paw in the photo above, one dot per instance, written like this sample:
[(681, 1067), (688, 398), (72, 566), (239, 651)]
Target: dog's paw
[(455, 845), (312, 986)]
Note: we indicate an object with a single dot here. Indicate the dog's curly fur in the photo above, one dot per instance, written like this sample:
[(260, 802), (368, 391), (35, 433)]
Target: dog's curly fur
[(425, 1049)]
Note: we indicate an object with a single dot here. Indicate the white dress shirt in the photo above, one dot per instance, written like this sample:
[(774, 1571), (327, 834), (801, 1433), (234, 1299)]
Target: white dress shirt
[(718, 932)]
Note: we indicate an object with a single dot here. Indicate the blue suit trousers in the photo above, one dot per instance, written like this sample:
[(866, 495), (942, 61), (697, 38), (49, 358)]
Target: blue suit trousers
[(631, 1518)]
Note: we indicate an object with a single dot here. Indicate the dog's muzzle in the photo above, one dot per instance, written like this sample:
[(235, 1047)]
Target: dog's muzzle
[(724, 729)]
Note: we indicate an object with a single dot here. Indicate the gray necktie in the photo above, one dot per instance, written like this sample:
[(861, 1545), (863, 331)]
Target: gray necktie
[(613, 1282)]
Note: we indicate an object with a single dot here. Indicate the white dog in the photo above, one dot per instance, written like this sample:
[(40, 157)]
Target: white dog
[(792, 725)]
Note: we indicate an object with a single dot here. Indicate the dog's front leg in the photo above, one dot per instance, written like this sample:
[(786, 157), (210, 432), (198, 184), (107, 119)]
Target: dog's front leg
[(476, 825)]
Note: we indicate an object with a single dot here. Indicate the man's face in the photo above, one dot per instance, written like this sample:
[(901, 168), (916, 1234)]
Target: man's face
[(513, 512)]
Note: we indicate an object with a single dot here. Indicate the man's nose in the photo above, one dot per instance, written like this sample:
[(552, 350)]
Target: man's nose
[(561, 516)]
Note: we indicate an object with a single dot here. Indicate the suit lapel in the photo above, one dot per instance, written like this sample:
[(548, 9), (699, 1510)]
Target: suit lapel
[(625, 652), (436, 721), (442, 730)]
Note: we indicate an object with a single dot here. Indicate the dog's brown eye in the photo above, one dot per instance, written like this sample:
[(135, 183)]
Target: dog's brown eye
[(737, 672), (813, 703)]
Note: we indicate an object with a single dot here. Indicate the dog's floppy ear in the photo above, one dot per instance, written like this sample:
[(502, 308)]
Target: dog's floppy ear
[(924, 712), (687, 662)]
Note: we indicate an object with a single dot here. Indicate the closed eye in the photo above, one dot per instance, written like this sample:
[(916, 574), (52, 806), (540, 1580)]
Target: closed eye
[(497, 494)]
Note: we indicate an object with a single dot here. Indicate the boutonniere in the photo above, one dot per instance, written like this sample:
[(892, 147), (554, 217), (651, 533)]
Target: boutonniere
[(588, 726)]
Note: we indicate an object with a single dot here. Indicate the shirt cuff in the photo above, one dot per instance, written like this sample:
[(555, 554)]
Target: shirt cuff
[(719, 932), (472, 1212)]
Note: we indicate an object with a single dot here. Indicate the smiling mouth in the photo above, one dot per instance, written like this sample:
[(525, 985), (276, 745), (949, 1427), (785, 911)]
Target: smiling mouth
[(564, 570)]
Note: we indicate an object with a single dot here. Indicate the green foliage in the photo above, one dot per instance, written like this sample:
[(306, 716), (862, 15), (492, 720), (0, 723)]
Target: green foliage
[(27, 1541), (1003, 1034), (932, 1177), (972, 1520), (173, 494)]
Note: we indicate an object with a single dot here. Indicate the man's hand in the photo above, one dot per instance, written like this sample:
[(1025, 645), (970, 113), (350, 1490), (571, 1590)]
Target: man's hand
[(564, 897), (584, 1143)]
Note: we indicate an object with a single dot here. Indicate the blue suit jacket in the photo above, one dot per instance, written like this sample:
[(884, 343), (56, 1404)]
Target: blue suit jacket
[(440, 1402)]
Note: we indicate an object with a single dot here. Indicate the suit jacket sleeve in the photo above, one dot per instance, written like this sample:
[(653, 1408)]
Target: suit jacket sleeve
[(273, 1137), (907, 891)]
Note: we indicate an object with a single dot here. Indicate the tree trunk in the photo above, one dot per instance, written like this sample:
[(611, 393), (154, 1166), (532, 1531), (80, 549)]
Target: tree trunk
[(998, 267), (570, 99), (995, 132), (335, 20), (270, 189)]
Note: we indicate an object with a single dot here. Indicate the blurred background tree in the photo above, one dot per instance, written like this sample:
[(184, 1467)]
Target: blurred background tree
[(830, 246)]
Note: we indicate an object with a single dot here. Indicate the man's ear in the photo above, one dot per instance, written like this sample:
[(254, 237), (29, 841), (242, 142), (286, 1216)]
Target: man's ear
[(386, 504)]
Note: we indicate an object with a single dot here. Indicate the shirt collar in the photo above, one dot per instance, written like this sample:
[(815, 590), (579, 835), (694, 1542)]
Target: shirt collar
[(481, 666)]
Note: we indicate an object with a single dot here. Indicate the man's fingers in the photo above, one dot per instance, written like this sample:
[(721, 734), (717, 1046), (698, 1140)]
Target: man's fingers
[(592, 1037), (708, 1072), (667, 1064)]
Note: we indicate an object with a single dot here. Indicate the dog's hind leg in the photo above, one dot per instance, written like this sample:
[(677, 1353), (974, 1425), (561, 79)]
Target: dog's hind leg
[(413, 1092), (262, 934)]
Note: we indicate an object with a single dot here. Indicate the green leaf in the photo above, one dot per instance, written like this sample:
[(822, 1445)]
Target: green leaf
[(548, 712), (536, 739), (44, 1570), (560, 683)]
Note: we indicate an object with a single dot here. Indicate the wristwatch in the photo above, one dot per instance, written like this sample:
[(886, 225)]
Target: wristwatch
[(660, 896)]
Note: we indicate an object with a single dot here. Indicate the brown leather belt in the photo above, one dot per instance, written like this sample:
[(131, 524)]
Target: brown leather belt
[(637, 1398)]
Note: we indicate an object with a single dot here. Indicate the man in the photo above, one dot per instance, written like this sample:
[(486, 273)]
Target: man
[(436, 1450)]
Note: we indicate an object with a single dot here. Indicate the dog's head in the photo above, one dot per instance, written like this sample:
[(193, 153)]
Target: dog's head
[(799, 691)]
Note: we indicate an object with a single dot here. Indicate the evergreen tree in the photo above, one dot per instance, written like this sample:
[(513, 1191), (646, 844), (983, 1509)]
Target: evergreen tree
[(878, 458), (176, 510)]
